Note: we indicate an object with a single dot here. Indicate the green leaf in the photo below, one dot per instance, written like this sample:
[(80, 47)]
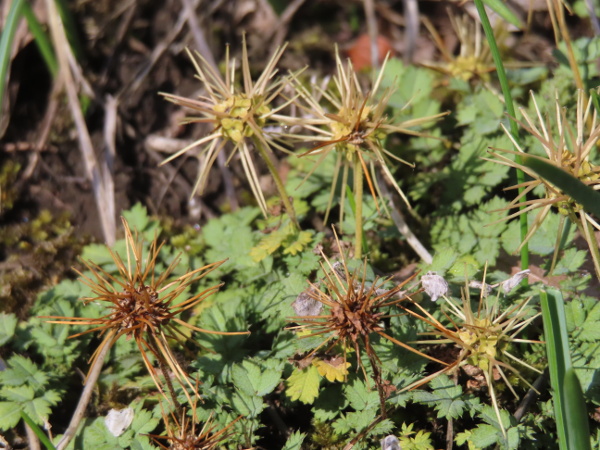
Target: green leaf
[(295, 441), (354, 422), (17, 394), (22, 371), (590, 329), (143, 421), (38, 432), (6, 39), (447, 399), (10, 414), (570, 261), (138, 220), (330, 404), (247, 405), (577, 417), (500, 7), (8, 324), (38, 409), (303, 385), (583, 194), (482, 110), (360, 397), (559, 360), (253, 378)]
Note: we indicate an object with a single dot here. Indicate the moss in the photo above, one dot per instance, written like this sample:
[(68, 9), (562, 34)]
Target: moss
[(38, 254)]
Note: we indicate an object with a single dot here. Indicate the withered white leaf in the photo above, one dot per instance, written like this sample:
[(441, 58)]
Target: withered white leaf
[(118, 420), (390, 442), (306, 305), (435, 286), (514, 281)]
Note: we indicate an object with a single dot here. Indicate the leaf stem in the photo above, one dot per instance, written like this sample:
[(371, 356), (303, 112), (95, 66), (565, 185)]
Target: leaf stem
[(510, 108), (278, 183), (358, 196)]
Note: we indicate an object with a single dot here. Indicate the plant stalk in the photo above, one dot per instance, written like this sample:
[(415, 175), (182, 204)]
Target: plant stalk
[(85, 397), (514, 129), (280, 187), (592, 242), (358, 217)]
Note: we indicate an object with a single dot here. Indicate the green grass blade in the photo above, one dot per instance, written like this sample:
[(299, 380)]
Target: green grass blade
[(6, 40), (39, 433), (569, 404), (557, 349), (595, 100), (580, 192), (577, 417), (41, 39), (510, 108), (500, 8)]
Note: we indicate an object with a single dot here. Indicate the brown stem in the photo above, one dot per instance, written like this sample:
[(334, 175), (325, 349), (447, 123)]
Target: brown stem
[(165, 371), (85, 397), (376, 375)]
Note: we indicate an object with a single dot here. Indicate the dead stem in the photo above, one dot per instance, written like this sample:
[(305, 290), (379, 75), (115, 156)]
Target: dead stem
[(90, 383)]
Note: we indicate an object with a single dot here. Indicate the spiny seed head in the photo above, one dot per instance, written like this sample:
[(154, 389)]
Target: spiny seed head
[(141, 304), (239, 115), (568, 146)]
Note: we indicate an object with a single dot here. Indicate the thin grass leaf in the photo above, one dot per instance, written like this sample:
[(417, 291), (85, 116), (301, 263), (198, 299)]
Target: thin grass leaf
[(569, 405), (500, 8), (580, 192), (557, 348), (595, 99), (41, 39), (39, 433), (577, 417), (510, 108), (6, 40)]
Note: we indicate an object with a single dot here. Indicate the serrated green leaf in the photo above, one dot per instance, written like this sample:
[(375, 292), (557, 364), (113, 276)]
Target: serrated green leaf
[(256, 379), (446, 398), (247, 405), (8, 324), (330, 404), (18, 394), (297, 242), (590, 330), (9, 415), (143, 421), (360, 397), (303, 385), (295, 441), (21, 371), (38, 409), (482, 110), (138, 219), (354, 422), (570, 261)]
